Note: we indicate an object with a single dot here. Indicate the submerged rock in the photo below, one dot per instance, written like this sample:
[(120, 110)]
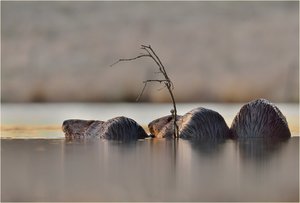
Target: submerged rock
[(199, 123), (260, 119), (119, 128)]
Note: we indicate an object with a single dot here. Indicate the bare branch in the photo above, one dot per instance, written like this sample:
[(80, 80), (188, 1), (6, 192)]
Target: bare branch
[(145, 84), (160, 63), (167, 82), (131, 59), (160, 81), (163, 87), (153, 57), (140, 95)]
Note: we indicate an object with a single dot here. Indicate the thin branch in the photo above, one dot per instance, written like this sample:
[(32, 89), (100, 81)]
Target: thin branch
[(163, 87), (167, 82), (145, 84), (131, 59), (160, 81), (153, 57), (159, 61), (140, 95)]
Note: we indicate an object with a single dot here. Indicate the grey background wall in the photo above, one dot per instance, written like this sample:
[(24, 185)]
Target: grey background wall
[(213, 51)]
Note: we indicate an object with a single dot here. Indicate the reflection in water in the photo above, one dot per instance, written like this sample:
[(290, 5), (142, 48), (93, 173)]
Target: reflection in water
[(207, 147), (149, 170), (260, 149), (269, 169)]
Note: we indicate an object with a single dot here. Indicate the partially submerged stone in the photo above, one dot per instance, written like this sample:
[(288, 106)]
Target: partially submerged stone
[(260, 119), (119, 128)]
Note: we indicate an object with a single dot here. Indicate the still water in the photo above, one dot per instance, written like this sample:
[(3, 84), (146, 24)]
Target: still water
[(37, 164)]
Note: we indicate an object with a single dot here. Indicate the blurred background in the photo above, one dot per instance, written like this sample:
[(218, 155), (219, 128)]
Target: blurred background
[(213, 51)]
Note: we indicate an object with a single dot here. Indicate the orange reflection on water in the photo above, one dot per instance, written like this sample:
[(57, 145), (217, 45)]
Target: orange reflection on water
[(31, 131)]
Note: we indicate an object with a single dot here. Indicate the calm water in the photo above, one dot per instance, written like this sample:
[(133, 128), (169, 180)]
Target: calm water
[(149, 170), (52, 169)]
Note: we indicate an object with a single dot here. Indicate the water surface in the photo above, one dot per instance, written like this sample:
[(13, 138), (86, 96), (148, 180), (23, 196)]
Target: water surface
[(38, 164), (149, 170)]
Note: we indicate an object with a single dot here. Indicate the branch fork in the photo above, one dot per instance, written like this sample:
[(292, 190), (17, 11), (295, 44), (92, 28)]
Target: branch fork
[(167, 82)]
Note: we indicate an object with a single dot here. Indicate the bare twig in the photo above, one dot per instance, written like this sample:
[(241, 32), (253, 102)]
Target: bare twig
[(161, 88), (160, 81), (131, 59), (140, 95), (167, 82)]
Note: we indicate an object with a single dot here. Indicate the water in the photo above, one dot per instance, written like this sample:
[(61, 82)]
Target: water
[(52, 169), (149, 170)]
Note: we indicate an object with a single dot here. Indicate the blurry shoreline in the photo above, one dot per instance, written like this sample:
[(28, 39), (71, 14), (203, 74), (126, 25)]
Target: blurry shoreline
[(32, 120), (213, 51)]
